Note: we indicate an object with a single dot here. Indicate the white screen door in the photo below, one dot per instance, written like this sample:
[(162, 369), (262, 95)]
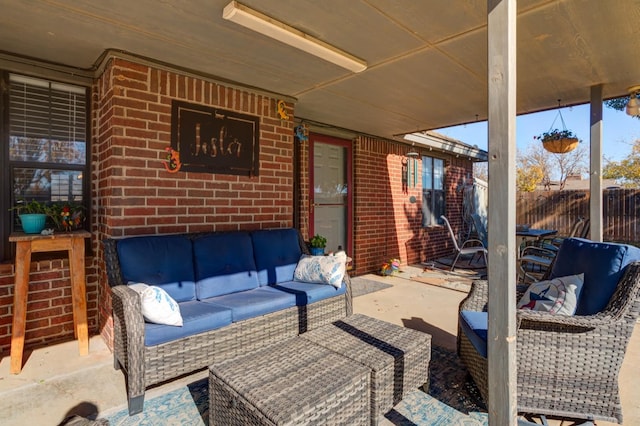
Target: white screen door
[(330, 198)]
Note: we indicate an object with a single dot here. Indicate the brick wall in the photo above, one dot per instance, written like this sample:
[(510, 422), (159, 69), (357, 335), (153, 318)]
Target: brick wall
[(49, 305), (134, 194), (386, 223)]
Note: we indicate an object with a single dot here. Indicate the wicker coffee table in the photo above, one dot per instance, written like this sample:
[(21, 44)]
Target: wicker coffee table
[(291, 383), (398, 357)]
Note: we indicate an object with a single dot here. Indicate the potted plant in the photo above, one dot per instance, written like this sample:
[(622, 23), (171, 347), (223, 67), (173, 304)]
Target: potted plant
[(66, 216), (318, 244), (559, 141), (33, 215)]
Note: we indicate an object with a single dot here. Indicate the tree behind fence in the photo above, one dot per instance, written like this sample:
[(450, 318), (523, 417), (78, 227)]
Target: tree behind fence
[(560, 209)]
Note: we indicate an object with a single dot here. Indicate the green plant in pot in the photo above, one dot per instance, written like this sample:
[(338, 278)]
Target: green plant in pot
[(65, 216), (317, 243), (33, 215)]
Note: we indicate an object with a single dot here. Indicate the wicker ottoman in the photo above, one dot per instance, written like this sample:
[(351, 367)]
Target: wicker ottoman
[(398, 357), (290, 383)]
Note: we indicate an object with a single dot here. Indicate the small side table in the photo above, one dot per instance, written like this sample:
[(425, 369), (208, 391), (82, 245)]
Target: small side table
[(26, 244)]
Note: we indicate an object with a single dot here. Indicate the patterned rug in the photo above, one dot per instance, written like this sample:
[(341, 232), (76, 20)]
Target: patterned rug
[(452, 400)]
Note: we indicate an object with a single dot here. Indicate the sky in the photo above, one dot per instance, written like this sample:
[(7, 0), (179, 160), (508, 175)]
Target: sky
[(619, 130)]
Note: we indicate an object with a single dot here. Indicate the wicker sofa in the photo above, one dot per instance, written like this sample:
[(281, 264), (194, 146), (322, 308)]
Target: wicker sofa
[(567, 366), (235, 291)]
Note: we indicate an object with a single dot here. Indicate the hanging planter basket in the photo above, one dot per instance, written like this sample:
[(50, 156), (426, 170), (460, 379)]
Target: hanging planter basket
[(558, 141), (560, 146)]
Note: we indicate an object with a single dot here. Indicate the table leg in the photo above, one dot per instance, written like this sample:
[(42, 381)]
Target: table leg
[(78, 293), (23, 265)]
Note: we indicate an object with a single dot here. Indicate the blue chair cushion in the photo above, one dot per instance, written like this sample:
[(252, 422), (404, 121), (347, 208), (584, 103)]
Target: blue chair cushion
[(276, 252), (307, 293), (224, 264), (165, 261), (197, 317), (475, 325), (254, 303), (603, 265)]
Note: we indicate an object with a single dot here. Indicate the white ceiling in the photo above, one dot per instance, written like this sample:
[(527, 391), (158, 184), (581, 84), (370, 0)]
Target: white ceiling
[(427, 59)]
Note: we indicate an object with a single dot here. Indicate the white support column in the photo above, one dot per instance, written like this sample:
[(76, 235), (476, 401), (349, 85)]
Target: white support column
[(595, 164), (502, 402)]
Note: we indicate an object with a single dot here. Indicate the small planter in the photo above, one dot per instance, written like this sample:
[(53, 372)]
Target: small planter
[(317, 251), (561, 145), (33, 223)]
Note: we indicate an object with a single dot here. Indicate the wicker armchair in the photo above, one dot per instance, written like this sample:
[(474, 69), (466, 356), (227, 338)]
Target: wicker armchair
[(568, 366)]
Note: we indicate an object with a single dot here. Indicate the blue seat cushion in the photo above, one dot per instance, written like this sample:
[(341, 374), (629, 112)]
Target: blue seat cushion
[(276, 252), (307, 293), (475, 325), (224, 264), (164, 260), (197, 317), (603, 265), (254, 303)]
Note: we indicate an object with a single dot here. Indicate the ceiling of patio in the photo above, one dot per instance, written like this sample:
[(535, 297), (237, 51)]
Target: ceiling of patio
[(427, 60)]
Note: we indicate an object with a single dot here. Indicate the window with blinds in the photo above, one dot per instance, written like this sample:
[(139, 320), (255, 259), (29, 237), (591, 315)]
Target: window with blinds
[(48, 121), (46, 133)]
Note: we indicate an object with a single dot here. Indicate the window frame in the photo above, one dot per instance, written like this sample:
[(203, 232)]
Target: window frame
[(8, 166), (433, 199)]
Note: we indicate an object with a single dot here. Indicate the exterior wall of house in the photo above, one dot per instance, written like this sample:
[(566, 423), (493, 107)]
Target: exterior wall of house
[(133, 194), (386, 223)]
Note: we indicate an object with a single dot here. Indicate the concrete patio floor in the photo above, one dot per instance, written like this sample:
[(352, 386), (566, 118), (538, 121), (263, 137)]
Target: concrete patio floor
[(55, 380)]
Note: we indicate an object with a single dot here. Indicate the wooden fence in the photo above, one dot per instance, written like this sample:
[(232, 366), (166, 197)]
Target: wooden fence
[(560, 209)]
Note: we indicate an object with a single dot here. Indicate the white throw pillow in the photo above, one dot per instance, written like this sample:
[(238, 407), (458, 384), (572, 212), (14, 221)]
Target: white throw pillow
[(321, 270), (557, 296), (157, 306)]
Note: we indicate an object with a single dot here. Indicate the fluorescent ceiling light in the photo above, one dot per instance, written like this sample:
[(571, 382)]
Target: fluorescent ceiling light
[(263, 24)]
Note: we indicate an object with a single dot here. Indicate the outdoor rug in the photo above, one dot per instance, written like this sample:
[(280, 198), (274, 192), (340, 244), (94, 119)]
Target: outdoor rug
[(361, 286), (453, 399)]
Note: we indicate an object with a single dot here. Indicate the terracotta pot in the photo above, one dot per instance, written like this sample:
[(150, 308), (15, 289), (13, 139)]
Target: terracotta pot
[(560, 146)]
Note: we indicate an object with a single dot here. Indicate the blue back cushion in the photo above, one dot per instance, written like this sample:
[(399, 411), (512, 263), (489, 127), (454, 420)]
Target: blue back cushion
[(224, 264), (603, 265), (163, 260), (276, 252)]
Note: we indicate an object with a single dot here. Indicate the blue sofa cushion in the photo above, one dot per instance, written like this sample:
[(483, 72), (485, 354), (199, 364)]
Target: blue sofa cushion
[(165, 261), (603, 265), (306, 293), (253, 303), (276, 252), (224, 264), (475, 325), (197, 318)]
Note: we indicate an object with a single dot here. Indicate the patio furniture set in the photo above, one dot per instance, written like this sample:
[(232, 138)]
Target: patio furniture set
[(567, 364), (274, 327)]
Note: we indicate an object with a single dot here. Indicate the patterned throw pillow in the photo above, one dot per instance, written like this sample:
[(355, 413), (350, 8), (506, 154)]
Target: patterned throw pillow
[(557, 296), (321, 270), (157, 306)]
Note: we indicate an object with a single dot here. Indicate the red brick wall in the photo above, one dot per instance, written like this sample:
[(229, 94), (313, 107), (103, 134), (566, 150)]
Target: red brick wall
[(134, 194), (49, 305), (387, 224)]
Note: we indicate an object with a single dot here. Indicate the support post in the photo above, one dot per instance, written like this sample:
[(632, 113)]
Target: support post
[(502, 397), (595, 164)]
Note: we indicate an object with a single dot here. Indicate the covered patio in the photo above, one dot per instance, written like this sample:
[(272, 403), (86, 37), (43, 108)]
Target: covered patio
[(421, 66), (60, 379)]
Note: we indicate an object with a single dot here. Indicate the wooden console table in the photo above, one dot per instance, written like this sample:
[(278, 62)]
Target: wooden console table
[(26, 244)]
